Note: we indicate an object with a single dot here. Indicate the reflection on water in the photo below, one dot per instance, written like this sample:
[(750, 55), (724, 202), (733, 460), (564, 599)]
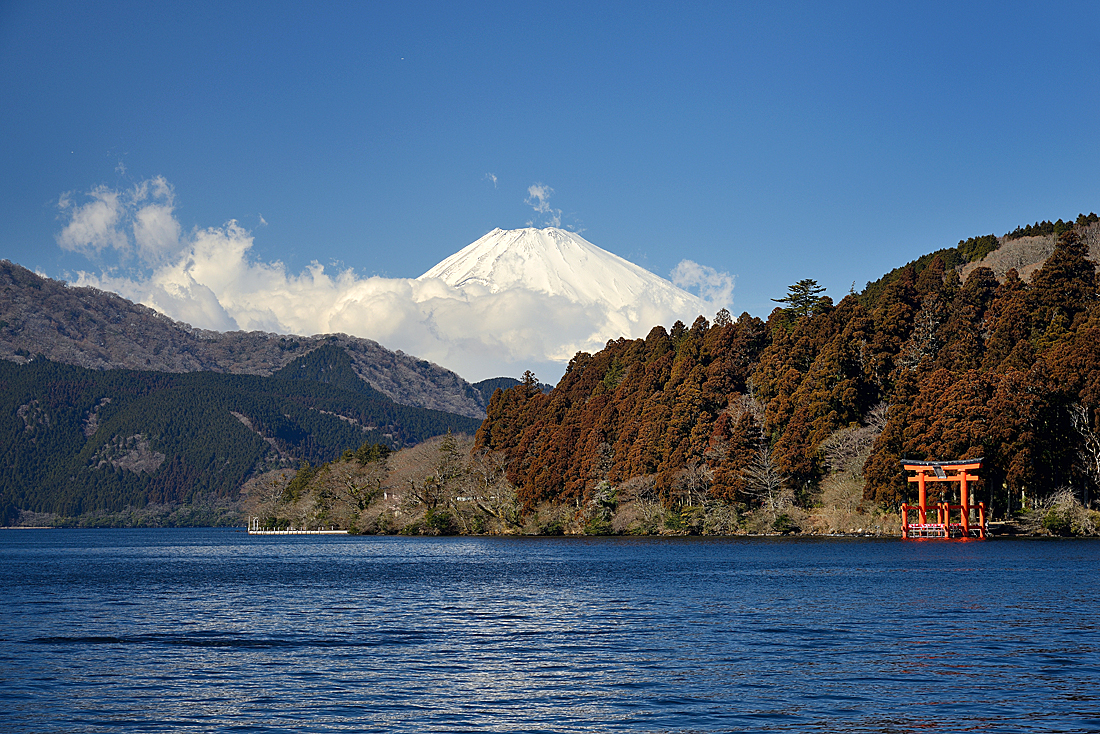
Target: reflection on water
[(212, 630)]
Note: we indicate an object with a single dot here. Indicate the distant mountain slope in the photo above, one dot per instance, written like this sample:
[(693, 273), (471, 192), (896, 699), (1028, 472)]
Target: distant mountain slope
[(100, 330), (74, 440)]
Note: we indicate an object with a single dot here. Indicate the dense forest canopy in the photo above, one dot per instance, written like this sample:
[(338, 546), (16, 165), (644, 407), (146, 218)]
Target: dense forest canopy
[(921, 365)]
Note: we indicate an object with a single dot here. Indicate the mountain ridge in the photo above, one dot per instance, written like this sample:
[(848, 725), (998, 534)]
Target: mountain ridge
[(99, 330)]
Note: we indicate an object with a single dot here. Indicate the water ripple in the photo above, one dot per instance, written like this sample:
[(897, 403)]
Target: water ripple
[(216, 631)]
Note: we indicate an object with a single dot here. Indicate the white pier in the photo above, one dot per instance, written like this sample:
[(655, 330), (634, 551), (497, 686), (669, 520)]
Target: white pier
[(255, 529)]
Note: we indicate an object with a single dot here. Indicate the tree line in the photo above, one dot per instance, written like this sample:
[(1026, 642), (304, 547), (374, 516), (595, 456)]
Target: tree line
[(1046, 228)]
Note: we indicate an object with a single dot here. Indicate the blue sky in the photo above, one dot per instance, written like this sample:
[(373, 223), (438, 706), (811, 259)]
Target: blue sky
[(797, 140)]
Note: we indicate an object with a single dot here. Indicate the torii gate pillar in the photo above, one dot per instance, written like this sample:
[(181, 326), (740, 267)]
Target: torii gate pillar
[(922, 498)]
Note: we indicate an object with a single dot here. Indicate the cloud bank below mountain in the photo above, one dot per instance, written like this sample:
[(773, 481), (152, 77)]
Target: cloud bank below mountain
[(212, 279)]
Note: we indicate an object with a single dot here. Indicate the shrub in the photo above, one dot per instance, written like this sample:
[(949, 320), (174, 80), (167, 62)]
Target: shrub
[(1056, 523), (439, 522), (784, 524), (1060, 514), (597, 526)]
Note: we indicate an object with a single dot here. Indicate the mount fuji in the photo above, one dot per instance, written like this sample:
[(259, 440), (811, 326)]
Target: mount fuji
[(513, 300), (558, 263)]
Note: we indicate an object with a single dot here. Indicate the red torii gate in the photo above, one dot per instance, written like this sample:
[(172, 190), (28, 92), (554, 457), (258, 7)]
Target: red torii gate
[(943, 471)]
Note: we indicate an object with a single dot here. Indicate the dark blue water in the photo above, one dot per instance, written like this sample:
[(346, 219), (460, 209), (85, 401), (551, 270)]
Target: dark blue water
[(213, 630)]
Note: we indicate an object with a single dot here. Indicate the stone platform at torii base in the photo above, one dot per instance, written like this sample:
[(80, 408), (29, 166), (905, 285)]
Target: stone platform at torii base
[(943, 527)]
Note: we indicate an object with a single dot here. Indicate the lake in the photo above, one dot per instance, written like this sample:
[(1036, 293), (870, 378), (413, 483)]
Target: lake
[(214, 630)]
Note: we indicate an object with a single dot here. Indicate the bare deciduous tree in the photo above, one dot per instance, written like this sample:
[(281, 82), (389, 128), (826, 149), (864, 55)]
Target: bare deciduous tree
[(1089, 452), (692, 482), (847, 449), (432, 473), (269, 491), (358, 485), (642, 488), (490, 489), (767, 483)]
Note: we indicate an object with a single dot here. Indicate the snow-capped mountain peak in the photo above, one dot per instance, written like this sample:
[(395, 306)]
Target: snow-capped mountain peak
[(560, 263)]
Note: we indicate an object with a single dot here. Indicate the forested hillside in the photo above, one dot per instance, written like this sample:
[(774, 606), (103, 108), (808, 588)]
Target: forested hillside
[(74, 440), (922, 364)]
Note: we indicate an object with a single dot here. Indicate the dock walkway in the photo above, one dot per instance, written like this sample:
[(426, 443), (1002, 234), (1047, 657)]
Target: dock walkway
[(292, 531), (255, 529)]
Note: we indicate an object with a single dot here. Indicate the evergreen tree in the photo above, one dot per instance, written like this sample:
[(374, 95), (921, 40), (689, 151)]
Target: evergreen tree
[(802, 298)]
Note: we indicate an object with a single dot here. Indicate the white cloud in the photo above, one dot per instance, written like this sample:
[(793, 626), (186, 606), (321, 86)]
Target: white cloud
[(173, 292), (93, 226), (711, 285), (138, 222), (211, 279), (156, 233), (538, 198), (491, 177)]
